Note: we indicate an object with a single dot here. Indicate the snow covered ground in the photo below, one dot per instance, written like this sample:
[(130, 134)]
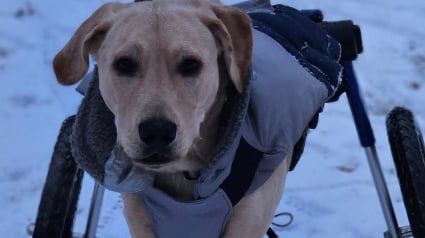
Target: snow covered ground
[(330, 194)]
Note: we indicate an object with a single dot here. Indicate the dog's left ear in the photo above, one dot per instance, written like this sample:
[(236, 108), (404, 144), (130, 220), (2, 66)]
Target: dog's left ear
[(232, 30)]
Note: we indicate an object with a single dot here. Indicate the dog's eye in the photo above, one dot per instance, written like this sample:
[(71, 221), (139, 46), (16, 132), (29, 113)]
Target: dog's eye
[(189, 67), (126, 66)]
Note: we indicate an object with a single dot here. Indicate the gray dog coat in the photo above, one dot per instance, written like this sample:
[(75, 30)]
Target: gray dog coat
[(292, 77)]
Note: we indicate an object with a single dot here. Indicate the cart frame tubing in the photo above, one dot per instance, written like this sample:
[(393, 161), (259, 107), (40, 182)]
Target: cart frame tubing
[(367, 140), (95, 210)]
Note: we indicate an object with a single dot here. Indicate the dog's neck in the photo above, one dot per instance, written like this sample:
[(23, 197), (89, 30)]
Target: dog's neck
[(178, 185)]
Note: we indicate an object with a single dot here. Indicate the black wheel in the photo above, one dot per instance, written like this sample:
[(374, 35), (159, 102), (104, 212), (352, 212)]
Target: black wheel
[(61, 190), (407, 147)]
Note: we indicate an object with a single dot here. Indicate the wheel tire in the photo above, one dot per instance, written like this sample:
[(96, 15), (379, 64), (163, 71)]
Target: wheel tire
[(407, 147), (61, 190)]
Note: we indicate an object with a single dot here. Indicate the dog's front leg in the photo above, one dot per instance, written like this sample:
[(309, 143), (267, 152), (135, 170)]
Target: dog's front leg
[(136, 217), (253, 215)]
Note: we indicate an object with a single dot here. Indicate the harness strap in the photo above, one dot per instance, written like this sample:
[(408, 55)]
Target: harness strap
[(243, 169), (237, 183)]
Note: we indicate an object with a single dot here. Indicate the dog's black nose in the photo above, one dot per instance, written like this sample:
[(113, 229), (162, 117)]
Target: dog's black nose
[(157, 133)]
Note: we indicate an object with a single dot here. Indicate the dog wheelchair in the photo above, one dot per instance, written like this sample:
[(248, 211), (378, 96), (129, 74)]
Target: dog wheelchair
[(63, 184)]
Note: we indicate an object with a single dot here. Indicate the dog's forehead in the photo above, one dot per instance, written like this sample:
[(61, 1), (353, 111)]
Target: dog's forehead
[(163, 15), (168, 26)]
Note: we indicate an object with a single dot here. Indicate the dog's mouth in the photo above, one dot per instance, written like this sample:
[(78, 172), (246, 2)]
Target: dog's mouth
[(154, 161)]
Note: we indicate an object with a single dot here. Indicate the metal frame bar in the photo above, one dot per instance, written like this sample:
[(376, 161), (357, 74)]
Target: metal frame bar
[(95, 209), (367, 140)]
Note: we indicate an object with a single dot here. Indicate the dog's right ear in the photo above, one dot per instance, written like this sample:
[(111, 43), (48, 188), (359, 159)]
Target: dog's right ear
[(72, 62)]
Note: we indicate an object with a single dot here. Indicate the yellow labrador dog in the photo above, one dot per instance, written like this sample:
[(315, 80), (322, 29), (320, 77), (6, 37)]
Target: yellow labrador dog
[(159, 65)]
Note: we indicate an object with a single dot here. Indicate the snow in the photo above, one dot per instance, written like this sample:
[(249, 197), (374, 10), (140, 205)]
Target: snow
[(331, 192)]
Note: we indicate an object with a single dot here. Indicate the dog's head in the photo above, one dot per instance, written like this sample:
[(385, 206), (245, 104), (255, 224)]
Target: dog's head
[(159, 69)]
